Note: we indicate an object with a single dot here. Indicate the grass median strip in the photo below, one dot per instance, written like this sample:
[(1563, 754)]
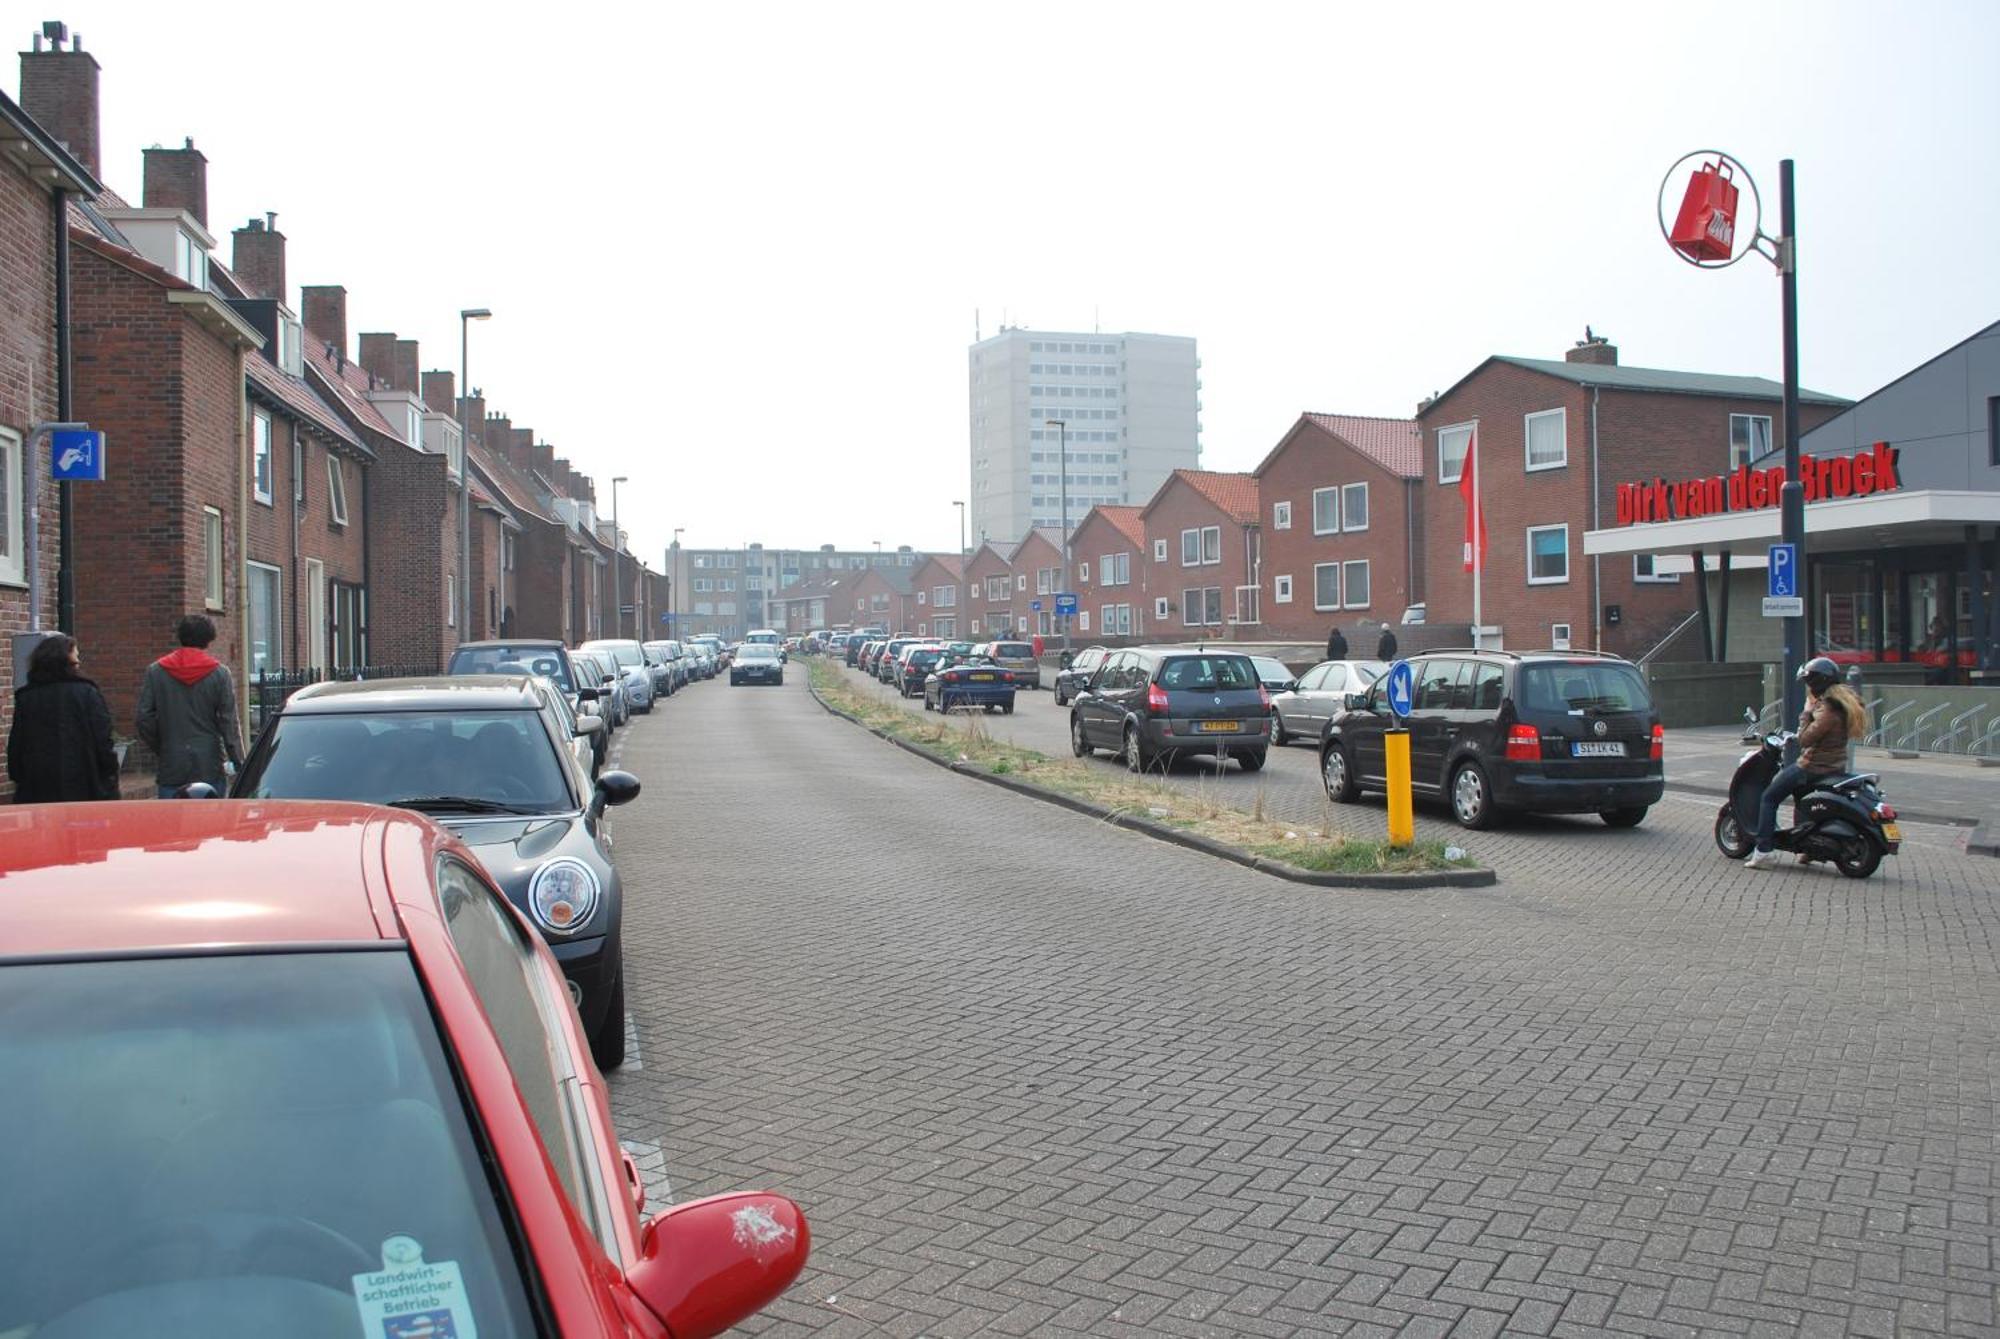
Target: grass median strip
[(965, 740)]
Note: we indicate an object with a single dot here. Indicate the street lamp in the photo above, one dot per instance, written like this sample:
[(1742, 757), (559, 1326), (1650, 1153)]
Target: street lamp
[(617, 571), (674, 582), (465, 320), (1062, 438)]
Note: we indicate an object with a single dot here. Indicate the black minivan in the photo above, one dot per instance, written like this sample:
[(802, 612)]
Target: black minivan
[(1151, 704), (1551, 732)]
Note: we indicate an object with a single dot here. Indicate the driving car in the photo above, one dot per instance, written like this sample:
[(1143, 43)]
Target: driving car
[(1151, 704), (1303, 710), (630, 660), (1549, 732), (338, 1088), (1018, 657), (610, 684), (482, 755), (757, 662), (975, 681), (915, 665), (1071, 679)]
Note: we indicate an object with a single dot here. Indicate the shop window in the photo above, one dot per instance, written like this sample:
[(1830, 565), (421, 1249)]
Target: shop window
[(1643, 565)]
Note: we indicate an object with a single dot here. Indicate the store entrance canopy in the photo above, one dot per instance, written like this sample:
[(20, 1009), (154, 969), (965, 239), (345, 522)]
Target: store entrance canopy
[(1881, 520)]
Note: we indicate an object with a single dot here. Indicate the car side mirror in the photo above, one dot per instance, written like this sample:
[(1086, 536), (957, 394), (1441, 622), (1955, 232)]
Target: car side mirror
[(1289, 686), (588, 725), (1354, 701), (615, 787), (708, 1264), (587, 695)]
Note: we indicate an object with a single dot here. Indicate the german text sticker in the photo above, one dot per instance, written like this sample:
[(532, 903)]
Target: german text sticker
[(409, 1299)]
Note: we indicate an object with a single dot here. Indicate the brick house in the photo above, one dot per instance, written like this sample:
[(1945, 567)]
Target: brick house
[(1546, 431), (989, 587), (880, 597), (939, 584), (1202, 527), (1112, 568), (810, 606), (37, 177), (1342, 526), (1037, 566)]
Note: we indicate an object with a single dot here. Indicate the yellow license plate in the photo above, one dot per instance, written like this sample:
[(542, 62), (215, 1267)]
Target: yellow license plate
[(1892, 832), (982, 678), (1217, 727)]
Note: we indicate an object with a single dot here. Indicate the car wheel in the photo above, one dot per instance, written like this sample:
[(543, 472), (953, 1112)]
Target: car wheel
[(1250, 762), (1279, 735), (1006, 708), (1472, 797), (1078, 744), (1134, 752), (1730, 838), (1337, 776), (927, 703), (1629, 817), (1061, 701), (607, 1044)]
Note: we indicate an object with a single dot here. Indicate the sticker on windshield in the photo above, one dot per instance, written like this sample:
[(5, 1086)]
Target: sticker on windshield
[(409, 1299)]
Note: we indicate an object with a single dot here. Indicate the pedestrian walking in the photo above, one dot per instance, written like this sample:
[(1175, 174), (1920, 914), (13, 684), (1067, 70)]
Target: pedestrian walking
[(187, 712), (1038, 646), (60, 746), (1336, 644), (1385, 650)]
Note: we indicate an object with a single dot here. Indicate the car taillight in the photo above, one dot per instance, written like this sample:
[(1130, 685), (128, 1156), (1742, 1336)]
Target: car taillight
[(1156, 700), (1659, 749), (1524, 743), (1264, 696)]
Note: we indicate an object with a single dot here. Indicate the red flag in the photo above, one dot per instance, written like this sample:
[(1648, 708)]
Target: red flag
[(1475, 515)]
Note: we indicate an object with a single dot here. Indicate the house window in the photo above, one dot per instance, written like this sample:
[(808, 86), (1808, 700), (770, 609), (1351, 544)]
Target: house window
[(13, 511), (944, 597), (211, 550), (450, 600), (1452, 445), (944, 627), (1045, 580), (1548, 442), (266, 618), (1159, 550), (1326, 511), (1160, 609), (1354, 584), (336, 489), (1548, 555), (1114, 569), (1558, 636), (261, 483), (1749, 438), (1281, 515), (1211, 544), (1643, 565), (1115, 620), (1354, 506), (1281, 589), (289, 348), (1326, 585), (298, 467), (1021, 581), (1190, 548), (996, 589)]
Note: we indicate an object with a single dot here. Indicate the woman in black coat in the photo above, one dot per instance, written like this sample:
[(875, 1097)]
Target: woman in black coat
[(60, 746)]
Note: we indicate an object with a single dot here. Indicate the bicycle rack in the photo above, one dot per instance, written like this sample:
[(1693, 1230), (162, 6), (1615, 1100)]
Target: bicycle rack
[(1986, 749), (1880, 737), (1947, 741), (1912, 740)]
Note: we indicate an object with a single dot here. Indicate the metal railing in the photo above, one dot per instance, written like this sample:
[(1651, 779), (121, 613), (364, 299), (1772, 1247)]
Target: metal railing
[(271, 689), (1885, 722)]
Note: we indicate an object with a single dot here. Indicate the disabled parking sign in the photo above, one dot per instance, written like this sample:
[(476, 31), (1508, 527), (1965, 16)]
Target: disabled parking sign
[(1402, 687)]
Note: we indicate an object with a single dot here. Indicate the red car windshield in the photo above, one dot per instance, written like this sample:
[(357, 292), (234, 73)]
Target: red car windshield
[(245, 1138)]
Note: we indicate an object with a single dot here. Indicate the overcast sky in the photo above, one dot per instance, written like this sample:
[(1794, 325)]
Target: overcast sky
[(734, 251)]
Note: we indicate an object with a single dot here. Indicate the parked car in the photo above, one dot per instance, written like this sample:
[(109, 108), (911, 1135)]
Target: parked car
[(1018, 657), (483, 755), (1548, 732), (757, 662), (546, 657), (630, 658), (614, 706), (974, 682), (718, 653), (915, 665), (1274, 674), (1319, 694), (1416, 613), (667, 655), (1151, 704), (367, 1108), (871, 650), (852, 652), (1071, 680), (891, 652)]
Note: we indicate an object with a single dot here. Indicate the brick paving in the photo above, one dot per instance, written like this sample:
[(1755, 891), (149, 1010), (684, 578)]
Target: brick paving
[(1032, 1075)]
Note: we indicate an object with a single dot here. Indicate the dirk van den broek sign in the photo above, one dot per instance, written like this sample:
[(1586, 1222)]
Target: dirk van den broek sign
[(1872, 471)]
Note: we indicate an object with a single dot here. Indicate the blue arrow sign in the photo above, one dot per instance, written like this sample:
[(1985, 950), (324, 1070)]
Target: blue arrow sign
[(1035, 606), (1783, 571), (1065, 604), (1402, 687), (76, 455)]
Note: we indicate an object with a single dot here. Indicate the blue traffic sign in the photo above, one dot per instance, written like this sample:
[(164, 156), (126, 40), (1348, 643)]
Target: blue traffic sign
[(1783, 571), (76, 455), (1035, 606), (1065, 604), (667, 619), (1402, 687)]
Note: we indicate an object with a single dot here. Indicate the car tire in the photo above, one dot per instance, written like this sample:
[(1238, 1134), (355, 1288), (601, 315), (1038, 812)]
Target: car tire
[(1629, 817), (1079, 744), (1337, 776), (1279, 735), (607, 1044), (1250, 762), (1006, 708), (1061, 701), (927, 703), (1134, 752), (1472, 797)]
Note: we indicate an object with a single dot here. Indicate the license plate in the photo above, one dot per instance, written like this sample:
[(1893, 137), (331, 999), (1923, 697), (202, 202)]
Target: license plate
[(1609, 748), (1217, 727), (982, 678), (1892, 832)]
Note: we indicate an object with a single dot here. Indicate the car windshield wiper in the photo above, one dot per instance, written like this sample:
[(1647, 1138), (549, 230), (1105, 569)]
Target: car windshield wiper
[(461, 803)]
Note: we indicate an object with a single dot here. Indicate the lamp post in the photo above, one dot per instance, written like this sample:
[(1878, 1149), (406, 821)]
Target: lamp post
[(617, 570), (674, 583), (465, 320), (1062, 438)]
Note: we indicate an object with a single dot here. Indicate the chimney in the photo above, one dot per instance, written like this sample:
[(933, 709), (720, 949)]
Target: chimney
[(1593, 348), (520, 447), (377, 356), (541, 459), (59, 89), (177, 179), (325, 315), (496, 429), (440, 391), (259, 258), (403, 364)]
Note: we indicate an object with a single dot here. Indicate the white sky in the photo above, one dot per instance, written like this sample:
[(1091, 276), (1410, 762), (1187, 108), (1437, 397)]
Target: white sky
[(734, 250)]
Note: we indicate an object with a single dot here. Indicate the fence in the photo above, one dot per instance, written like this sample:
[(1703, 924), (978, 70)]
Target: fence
[(271, 689)]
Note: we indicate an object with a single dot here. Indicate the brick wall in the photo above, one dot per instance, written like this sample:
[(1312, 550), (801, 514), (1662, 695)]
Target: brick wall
[(1176, 507), (409, 513), (1091, 542), (1311, 458), (536, 583), (989, 614)]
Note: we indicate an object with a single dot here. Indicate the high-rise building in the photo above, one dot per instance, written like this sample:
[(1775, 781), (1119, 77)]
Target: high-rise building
[(1130, 406)]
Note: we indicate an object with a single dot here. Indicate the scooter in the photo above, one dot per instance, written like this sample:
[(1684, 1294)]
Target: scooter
[(1842, 819)]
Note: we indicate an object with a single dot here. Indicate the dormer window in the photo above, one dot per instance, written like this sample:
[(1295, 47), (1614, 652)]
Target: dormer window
[(443, 438), (190, 259), (290, 346)]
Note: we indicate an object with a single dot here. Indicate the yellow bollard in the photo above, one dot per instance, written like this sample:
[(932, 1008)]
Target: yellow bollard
[(1402, 825)]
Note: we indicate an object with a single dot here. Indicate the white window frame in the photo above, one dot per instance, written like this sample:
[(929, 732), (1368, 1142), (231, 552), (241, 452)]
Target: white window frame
[(213, 540), (1528, 440), (1347, 600), (1281, 515), (1654, 578), (1160, 611), (1191, 544), (1083, 571), (1332, 496), (1559, 636), (336, 489), (451, 599), (1190, 606), (1324, 605), (1534, 580), (1211, 533), (1769, 439), (263, 459), (1468, 428), (277, 631), (1281, 589), (1348, 491), (14, 515), (921, 595), (944, 597), (1045, 580), (1159, 550)]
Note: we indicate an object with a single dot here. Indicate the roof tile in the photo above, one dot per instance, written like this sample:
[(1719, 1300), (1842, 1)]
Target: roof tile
[(1236, 494), (1393, 443)]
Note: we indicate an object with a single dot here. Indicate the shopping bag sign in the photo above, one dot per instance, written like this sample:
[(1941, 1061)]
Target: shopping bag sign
[(1705, 228)]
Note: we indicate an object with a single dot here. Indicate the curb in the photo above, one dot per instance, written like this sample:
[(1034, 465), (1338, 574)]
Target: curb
[(1984, 839), (1443, 878)]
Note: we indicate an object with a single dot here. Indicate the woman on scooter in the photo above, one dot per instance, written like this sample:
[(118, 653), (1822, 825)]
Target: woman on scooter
[(1833, 716)]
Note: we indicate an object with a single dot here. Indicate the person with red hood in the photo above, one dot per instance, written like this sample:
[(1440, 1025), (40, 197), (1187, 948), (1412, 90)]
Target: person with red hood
[(187, 712)]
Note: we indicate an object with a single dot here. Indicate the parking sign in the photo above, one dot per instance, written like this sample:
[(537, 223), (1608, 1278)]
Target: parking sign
[(1783, 571)]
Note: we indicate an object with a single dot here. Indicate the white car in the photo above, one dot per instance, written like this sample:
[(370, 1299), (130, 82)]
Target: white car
[(630, 658)]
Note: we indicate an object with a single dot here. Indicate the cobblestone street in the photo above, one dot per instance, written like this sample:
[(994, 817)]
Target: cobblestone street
[(1032, 1075)]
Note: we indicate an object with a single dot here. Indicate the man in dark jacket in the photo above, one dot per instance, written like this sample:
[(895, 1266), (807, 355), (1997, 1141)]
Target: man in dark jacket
[(1385, 650), (187, 712), (60, 746), (1336, 644)]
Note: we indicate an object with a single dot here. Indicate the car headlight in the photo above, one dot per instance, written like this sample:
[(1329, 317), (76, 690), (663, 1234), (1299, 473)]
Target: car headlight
[(563, 895)]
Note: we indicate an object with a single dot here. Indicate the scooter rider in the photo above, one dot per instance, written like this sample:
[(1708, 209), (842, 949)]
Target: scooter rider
[(1833, 715)]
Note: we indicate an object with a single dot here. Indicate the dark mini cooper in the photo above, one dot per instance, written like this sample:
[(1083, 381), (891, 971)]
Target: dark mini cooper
[(975, 681), (1153, 704)]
